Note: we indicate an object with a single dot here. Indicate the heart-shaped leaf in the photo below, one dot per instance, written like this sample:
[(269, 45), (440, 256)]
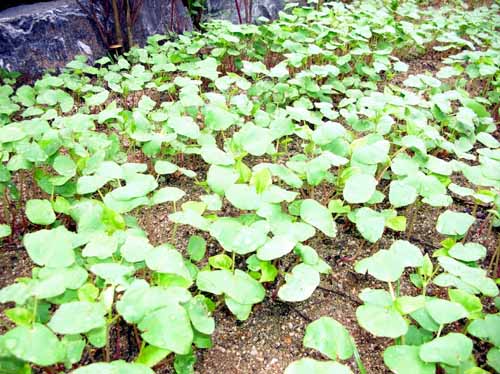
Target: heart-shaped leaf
[(300, 283), (451, 349), (330, 338), (40, 212), (318, 216), (359, 188)]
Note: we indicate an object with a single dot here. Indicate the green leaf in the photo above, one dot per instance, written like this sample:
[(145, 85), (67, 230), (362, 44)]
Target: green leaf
[(88, 292), (135, 248), (374, 151), (220, 178), (388, 265), (255, 140), (370, 224), (217, 118), (469, 276), (261, 180), (17, 292), (493, 358), (471, 303), (26, 95), (64, 165), (138, 185), (184, 364), (276, 247), (486, 329), (116, 367), (20, 316), (300, 283), (97, 99), (330, 338), (213, 155), (165, 167), (240, 311), (381, 321), (478, 108), (38, 345), (405, 359), (467, 252), (167, 194), (168, 261), (40, 212), (401, 194), (11, 133), (337, 206), (454, 223), (168, 328), (139, 299), (196, 247), (185, 126), (444, 311), (74, 346), (113, 273), (51, 247), (235, 237), (359, 188), (383, 265), (150, 355), (190, 217), (397, 223), (451, 349), (244, 289), (214, 282), (243, 196), (5, 230), (318, 216), (90, 183), (309, 366), (77, 317), (220, 261), (438, 166), (200, 315), (98, 337), (100, 245)]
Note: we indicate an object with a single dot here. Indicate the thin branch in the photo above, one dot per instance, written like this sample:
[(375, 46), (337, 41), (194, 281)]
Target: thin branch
[(341, 293), (92, 14), (238, 10), (295, 310)]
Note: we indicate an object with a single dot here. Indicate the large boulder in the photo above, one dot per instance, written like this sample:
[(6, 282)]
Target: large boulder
[(228, 10), (48, 35)]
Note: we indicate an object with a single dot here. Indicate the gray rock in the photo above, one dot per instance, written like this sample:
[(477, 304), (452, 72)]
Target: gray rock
[(227, 10), (43, 36), (155, 18)]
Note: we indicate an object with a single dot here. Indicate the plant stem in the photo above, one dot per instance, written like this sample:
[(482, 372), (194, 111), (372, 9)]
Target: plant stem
[(238, 11), (391, 291), (106, 348), (118, 29), (35, 310), (494, 262), (414, 211), (6, 212), (357, 359), (439, 331), (129, 24), (137, 339)]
